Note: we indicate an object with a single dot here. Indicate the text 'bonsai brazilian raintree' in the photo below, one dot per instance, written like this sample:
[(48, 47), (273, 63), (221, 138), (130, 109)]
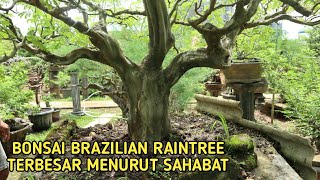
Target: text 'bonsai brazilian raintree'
[(148, 82)]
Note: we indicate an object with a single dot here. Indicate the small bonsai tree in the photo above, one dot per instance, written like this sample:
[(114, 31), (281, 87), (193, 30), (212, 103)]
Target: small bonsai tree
[(213, 78), (47, 98)]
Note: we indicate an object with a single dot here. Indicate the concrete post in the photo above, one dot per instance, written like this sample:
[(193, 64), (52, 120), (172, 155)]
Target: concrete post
[(75, 94), (245, 92), (247, 104)]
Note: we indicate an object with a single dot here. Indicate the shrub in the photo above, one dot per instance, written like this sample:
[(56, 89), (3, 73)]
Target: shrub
[(14, 94)]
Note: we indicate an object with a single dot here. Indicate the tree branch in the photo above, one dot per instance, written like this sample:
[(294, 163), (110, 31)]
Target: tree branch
[(160, 36), (11, 27), (191, 59), (282, 11), (202, 18), (174, 8), (126, 12), (180, 22), (103, 13), (225, 5), (11, 55), (119, 97), (184, 62), (219, 40), (279, 18), (81, 27), (296, 6), (96, 86), (104, 90), (46, 55), (70, 58), (314, 8), (241, 15), (110, 51)]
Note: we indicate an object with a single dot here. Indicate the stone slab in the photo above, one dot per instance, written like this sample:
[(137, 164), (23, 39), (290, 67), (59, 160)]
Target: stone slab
[(316, 161)]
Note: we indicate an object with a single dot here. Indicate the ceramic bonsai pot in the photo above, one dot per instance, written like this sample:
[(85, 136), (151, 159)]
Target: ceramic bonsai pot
[(42, 120), (18, 133), (65, 92), (56, 114), (244, 72), (214, 88)]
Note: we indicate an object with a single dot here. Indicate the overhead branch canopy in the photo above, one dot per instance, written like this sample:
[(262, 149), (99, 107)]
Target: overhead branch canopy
[(221, 38), (95, 20), (18, 41), (104, 48)]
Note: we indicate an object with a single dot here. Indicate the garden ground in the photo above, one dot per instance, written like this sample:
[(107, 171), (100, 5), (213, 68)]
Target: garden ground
[(189, 126)]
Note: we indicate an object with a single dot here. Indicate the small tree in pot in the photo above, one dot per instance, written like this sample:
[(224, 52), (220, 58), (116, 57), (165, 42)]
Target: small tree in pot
[(47, 98), (41, 118), (213, 83)]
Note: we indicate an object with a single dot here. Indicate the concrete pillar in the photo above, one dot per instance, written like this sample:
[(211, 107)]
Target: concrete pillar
[(247, 104), (75, 94), (245, 93)]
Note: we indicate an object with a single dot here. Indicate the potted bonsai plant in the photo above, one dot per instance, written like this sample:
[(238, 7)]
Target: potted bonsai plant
[(41, 118), (213, 83), (47, 98)]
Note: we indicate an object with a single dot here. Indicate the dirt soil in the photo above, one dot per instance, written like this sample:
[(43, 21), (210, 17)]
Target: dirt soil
[(188, 127)]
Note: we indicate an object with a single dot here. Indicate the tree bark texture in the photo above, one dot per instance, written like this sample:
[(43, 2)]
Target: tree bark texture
[(148, 96)]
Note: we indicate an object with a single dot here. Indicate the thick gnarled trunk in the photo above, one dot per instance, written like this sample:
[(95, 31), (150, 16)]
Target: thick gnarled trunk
[(148, 96)]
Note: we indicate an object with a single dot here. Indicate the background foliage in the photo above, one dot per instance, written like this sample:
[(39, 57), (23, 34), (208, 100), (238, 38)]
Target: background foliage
[(14, 93), (292, 68)]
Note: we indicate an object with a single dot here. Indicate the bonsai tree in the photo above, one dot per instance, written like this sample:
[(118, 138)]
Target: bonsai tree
[(149, 81), (36, 74), (213, 83), (213, 78), (47, 98), (14, 100)]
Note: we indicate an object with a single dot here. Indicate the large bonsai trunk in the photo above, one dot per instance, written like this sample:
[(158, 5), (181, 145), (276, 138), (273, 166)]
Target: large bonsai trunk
[(148, 96)]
